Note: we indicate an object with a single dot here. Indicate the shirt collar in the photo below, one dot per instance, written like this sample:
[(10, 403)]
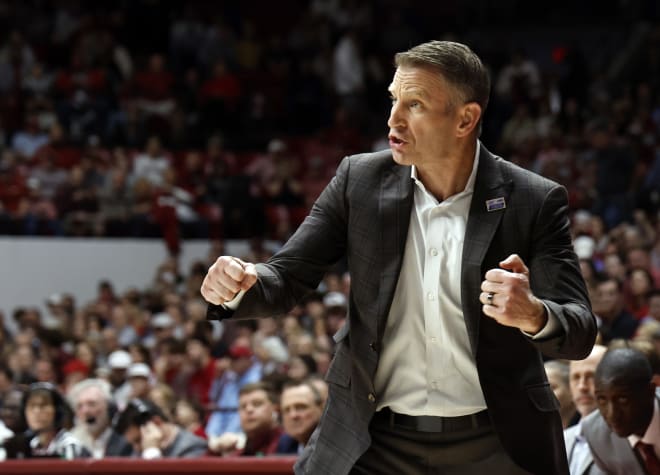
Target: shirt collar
[(652, 434), (469, 186)]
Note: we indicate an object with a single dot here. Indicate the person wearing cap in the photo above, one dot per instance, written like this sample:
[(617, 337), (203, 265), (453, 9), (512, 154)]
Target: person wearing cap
[(224, 393), (463, 277), (162, 325), (119, 361), (336, 306), (140, 378)]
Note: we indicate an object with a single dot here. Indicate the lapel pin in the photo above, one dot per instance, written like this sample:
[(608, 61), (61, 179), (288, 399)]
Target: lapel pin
[(495, 204)]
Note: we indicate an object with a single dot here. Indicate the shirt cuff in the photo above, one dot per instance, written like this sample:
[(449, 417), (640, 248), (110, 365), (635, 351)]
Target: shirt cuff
[(235, 302), (152, 453), (551, 328)]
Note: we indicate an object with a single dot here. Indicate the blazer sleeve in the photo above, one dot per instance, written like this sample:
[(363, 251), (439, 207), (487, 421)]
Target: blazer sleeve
[(297, 269), (556, 279)]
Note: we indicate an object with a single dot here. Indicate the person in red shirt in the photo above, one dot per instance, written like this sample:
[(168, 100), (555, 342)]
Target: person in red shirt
[(199, 357), (258, 411)]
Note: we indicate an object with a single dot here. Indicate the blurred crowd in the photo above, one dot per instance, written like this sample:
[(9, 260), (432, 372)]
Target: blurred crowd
[(215, 125)]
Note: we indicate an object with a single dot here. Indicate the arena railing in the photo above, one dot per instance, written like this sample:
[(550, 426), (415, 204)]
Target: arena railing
[(169, 466)]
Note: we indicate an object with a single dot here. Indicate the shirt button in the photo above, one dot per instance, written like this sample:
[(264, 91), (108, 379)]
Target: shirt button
[(434, 384), (433, 340), (433, 251), (430, 296), (371, 397)]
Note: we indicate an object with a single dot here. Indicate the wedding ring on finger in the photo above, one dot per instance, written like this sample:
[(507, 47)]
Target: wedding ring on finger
[(489, 298)]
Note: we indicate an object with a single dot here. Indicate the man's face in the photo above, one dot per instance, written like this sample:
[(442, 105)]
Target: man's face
[(610, 298), (654, 307), (581, 382), (423, 119), (134, 437), (139, 387), (626, 409), (11, 409), (44, 371), (300, 413), (256, 412), (560, 389), (92, 410), (241, 365)]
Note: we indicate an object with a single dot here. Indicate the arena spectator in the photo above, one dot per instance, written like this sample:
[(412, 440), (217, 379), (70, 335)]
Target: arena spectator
[(259, 416), (301, 406), (557, 372), (622, 434), (94, 410), (581, 382), (140, 379), (615, 321), (190, 415), (47, 415), (153, 435)]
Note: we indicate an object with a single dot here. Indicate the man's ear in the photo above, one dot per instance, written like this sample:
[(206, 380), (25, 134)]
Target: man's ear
[(469, 116)]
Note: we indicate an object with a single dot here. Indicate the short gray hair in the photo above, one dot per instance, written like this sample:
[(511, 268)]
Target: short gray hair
[(458, 65)]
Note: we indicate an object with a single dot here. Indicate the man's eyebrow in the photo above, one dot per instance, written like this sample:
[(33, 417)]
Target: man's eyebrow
[(416, 92)]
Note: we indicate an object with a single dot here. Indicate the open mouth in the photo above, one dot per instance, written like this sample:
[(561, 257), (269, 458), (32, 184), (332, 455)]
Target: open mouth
[(396, 142)]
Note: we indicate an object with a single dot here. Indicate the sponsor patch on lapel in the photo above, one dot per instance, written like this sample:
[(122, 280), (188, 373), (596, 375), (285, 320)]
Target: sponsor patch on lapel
[(495, 204)]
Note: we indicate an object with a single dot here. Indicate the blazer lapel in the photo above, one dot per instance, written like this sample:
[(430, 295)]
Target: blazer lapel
[(395, 205), (485, 215)]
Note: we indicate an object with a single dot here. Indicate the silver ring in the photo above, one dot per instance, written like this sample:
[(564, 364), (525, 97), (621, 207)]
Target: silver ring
[(489, 298)]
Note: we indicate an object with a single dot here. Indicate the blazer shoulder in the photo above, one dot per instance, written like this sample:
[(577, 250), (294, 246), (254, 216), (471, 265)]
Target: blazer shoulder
[(523, 177), (372, 162)]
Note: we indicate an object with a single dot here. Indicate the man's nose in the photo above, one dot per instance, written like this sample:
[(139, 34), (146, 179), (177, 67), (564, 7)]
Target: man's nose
[(395, 120)]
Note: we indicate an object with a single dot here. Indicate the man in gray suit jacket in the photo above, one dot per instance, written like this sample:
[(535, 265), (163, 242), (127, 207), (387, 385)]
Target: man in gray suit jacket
[(628, 417), (462, 273)]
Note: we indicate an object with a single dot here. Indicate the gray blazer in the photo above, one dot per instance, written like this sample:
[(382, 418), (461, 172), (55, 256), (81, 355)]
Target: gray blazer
[(611, 453), (587, 467), (363, 214)]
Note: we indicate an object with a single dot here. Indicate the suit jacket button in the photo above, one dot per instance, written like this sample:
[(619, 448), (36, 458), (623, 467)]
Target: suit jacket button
[(371, 397), (372, 345)]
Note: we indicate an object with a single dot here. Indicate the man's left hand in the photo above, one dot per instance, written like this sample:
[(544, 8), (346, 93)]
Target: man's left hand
[(507, 297)]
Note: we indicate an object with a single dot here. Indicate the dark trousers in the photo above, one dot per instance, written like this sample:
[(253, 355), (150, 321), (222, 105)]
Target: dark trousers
[(400, 451)]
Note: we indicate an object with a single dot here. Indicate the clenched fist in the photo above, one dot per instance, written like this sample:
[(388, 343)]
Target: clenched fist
[(226, 278), (507, 297)]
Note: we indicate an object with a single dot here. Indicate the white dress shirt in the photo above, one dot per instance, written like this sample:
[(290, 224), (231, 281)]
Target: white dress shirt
[(580, 452), (426, 365)]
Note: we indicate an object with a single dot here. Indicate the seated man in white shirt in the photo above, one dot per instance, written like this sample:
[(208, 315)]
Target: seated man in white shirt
[(581, 383)]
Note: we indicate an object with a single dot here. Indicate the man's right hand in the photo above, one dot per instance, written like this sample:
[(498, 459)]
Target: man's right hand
[(225, 278)]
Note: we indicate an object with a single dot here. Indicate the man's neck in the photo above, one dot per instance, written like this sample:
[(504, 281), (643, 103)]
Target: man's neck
[(448, 176)]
